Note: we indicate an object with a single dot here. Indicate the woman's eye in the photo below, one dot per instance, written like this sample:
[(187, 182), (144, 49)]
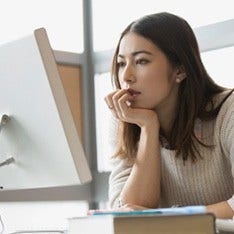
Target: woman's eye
[(142, 61), (120, 64)]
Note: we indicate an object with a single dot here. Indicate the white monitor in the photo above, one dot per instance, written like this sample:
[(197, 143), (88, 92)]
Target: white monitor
[(39, 145)]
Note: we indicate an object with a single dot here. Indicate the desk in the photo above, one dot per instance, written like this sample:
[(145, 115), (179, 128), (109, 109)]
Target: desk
[(49, 215)]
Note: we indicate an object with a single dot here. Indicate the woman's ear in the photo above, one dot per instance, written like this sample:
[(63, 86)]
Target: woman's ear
[(180, 74)]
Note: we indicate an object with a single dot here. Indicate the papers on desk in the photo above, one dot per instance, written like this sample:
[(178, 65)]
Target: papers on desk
[(225, 226)]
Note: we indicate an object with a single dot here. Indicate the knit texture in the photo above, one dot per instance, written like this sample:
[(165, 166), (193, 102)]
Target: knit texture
[(207, 181)]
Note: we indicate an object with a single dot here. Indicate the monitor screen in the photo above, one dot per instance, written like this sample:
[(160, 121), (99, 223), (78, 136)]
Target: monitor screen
[(39, 143)]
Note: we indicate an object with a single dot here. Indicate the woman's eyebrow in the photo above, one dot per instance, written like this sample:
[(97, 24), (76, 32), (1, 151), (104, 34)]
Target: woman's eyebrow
[(141, 52), (136, 53)]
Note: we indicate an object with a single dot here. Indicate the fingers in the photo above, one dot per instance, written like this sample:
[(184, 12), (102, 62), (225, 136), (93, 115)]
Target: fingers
[(109, 101), (131, 207), (124, 103), (117, 102), (122, 106), (110, 104)]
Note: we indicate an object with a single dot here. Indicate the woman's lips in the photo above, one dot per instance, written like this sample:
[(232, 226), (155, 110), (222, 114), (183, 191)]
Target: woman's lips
[(133, 92)]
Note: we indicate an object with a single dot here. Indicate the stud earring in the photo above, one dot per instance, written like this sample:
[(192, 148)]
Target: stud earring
[(178, 80)]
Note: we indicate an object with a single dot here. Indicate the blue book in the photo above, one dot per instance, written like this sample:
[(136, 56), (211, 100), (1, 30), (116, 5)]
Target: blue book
[(185, 210)]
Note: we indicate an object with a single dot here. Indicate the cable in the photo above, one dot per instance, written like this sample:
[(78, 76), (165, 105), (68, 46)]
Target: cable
[(39, 231), (7, 161), (2, 224)]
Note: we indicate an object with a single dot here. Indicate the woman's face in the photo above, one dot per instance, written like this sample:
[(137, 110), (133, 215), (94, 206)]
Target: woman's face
[(145, 71)]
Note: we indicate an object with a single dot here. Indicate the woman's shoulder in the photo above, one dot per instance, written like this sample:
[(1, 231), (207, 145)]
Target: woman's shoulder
[(225, 124), (119, 164), (225, 98)]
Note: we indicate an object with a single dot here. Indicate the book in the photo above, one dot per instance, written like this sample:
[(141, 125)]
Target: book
[(146, 221), (172, 210)]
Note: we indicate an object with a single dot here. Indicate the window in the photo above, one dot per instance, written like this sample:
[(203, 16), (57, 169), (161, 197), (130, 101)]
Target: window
[(105, 130), (62, 19), (219, 64), (109, 23)]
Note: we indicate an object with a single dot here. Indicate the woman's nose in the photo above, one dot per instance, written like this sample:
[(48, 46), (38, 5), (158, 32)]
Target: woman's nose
[(129, 75)]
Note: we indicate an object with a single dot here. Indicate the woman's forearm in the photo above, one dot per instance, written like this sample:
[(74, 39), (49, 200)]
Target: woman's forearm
[(221, 210), (143, 185)]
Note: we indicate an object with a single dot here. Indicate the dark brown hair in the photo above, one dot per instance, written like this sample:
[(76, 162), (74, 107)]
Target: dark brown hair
[(177, 41)]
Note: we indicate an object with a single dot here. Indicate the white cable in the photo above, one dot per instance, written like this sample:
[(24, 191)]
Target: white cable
[(2, 225), (38, 231)]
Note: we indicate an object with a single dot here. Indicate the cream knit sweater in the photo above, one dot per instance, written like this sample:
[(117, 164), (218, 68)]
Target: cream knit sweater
[(208, 181)]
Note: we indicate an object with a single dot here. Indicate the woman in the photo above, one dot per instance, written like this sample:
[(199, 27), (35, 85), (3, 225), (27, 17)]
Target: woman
[(176, 125)]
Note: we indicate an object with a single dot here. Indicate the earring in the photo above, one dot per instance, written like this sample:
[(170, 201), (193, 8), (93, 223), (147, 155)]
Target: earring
[(178, 80)]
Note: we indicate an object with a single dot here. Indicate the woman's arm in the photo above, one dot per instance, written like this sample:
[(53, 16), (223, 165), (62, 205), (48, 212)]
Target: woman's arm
[(225, 209), (143, 185), (221, 210)]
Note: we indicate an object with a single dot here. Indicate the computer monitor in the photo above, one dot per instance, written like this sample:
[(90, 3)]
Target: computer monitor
[(39, 143)]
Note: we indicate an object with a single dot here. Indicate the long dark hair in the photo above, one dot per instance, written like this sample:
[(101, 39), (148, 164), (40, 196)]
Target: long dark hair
[(176, 39)]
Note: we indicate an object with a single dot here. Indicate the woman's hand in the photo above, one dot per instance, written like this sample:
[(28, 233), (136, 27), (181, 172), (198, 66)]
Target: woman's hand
[(119, 102), (126, 207), (131, 207)]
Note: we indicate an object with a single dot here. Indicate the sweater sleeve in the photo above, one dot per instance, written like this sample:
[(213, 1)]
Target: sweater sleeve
[(117, 180), (227, 137), (230, 202)]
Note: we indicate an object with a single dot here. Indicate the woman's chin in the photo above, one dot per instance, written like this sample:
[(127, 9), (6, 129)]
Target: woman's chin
[(137, 106), (140, 106)]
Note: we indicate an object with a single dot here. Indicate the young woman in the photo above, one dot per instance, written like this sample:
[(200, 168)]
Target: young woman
[(176, 125)]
